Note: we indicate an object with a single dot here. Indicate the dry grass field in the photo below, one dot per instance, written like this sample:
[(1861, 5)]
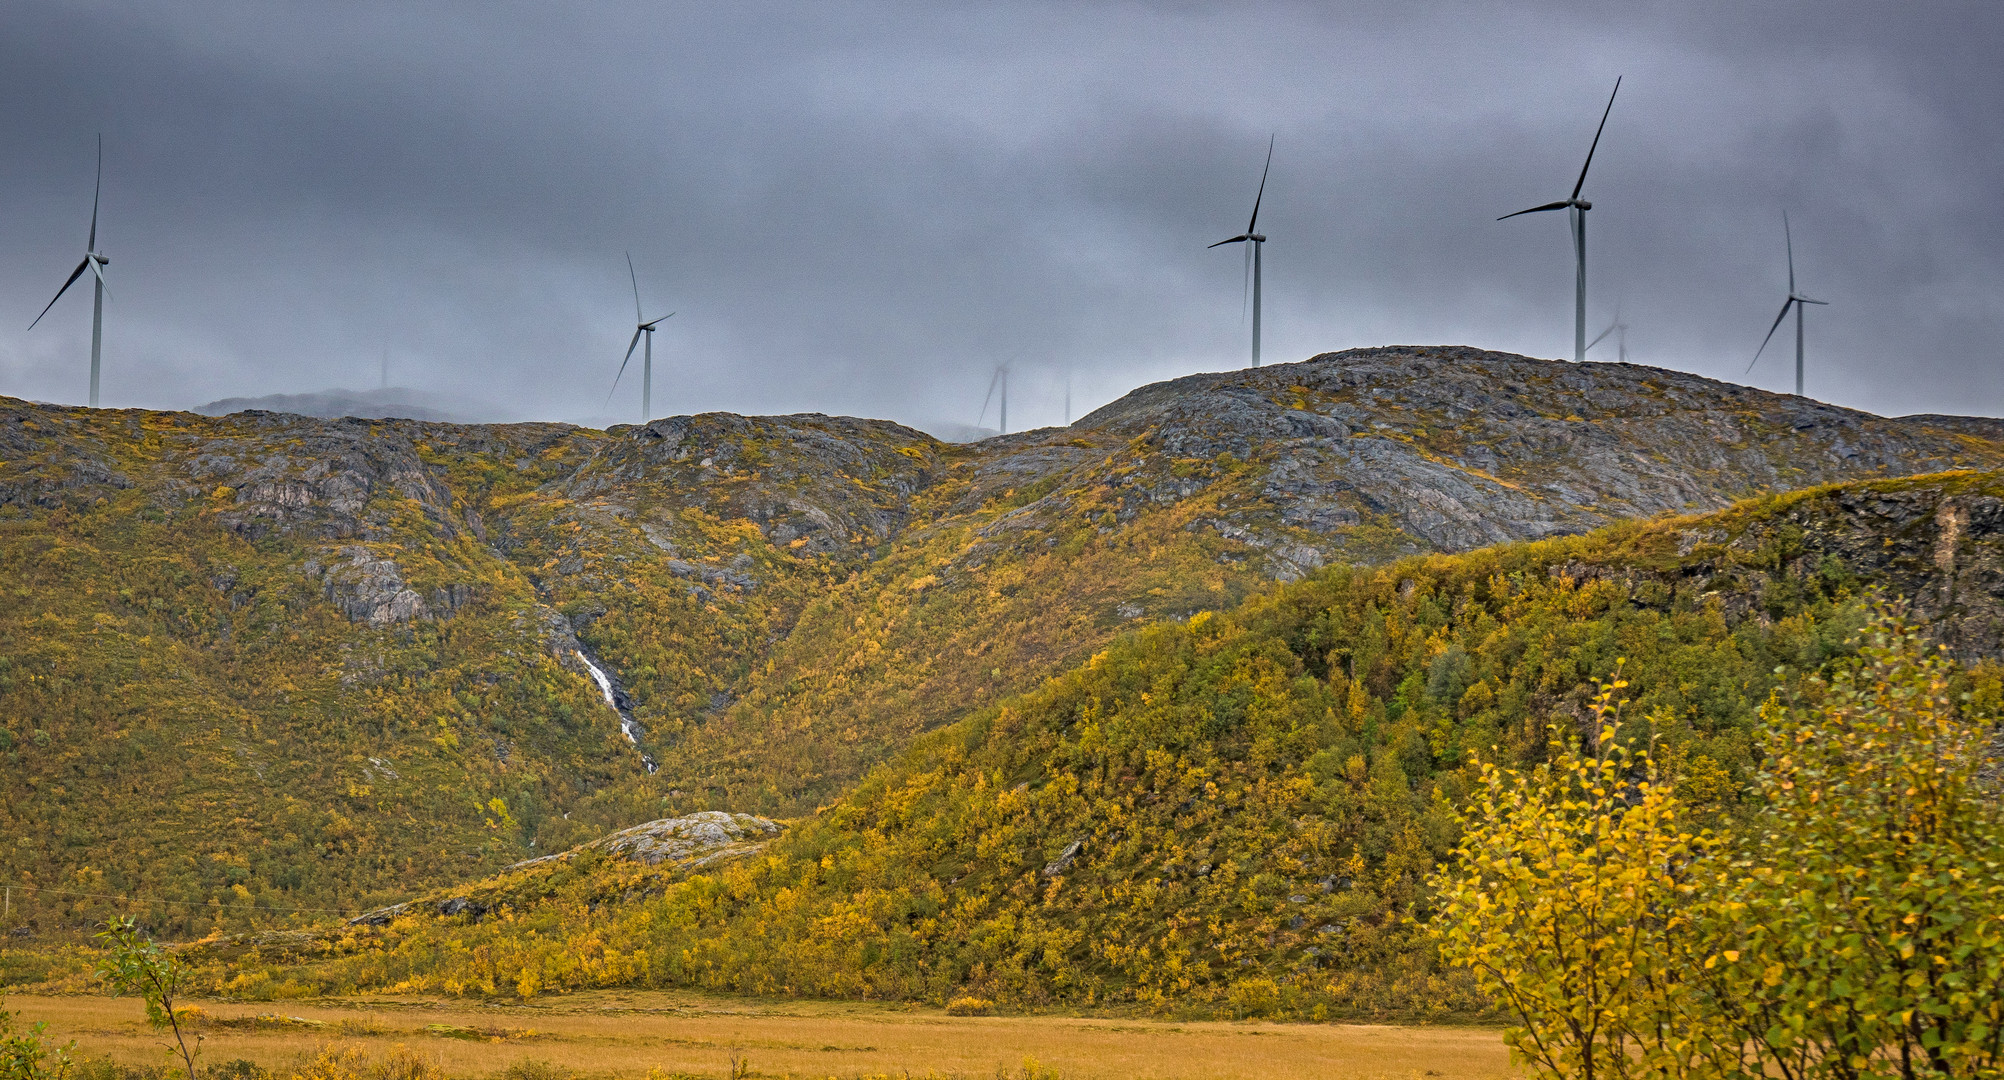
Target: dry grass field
[(620, 1035)]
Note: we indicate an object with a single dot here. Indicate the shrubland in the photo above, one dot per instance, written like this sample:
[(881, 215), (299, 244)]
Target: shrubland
[(1236, 813)]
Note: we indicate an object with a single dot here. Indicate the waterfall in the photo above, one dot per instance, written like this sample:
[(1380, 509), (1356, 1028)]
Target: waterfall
[(627, 725)]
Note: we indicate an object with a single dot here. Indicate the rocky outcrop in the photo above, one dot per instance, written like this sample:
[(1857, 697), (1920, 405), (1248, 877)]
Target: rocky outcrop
[(825, 484), (370, 589), (691, 841), (334, 479), (1939, 546), (677, 845)]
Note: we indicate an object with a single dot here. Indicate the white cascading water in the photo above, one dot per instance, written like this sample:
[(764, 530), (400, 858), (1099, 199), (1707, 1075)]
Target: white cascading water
[(626, 725)]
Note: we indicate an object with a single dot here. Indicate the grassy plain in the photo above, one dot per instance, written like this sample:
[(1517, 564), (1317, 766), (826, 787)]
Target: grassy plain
[(618, 1034)]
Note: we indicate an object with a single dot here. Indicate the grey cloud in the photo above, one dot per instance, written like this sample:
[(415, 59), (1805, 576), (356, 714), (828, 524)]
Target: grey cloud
[(864, 208)]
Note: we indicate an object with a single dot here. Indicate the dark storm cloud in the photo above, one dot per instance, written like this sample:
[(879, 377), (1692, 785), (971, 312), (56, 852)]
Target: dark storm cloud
[(864, 208)]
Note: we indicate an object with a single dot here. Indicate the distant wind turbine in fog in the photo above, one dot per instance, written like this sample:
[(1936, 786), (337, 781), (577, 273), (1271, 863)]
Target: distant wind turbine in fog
[(1620, 331), (1576, 209), (1795, 300), (1000, 378), (1251, 236), (645, 329), (95, 262)]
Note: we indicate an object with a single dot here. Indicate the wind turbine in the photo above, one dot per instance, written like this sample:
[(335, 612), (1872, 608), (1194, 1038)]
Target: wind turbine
[(95, 262), (1576, 209), (1620, 331), (1252, 236), (643, 327), (1795, 300), (1001, 378)]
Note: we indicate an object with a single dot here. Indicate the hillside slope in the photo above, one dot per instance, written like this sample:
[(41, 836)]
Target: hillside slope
[(1237, 812), (263, 662), (1185, 495)]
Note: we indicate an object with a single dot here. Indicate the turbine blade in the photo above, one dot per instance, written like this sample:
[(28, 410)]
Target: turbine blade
[(1789, 239), (1770, 332), (1596, 138), (1262, 187), (983, 414), (637, 316), (630, 346), (74, 275), (98, 269), (1806, 300), (1233, 240), (92, 246), (1603, 335), (657, 322), (1537, 210)]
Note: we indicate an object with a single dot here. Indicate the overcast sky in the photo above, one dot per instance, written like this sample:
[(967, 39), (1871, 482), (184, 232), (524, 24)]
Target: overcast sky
[(863, 208)]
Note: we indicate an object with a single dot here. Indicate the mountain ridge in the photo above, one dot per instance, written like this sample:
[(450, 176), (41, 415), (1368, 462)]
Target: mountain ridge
[(364, 645)]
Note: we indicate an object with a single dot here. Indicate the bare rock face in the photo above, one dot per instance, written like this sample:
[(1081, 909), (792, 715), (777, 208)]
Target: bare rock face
[(689, 842), (1939, 546), (337, 480), (1457, 448), (370, 589), (821, 484)]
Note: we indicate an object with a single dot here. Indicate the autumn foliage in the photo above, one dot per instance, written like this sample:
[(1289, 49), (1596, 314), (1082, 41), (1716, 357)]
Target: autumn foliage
[(1850, 926)]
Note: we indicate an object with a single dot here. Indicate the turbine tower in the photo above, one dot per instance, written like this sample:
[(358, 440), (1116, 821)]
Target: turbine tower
[(1252, 236), (1576, 209), (642, 328), (94, 261), (1795, 300)]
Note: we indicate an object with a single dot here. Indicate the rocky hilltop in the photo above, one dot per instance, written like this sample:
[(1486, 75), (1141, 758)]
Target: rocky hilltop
[(337, 660)]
